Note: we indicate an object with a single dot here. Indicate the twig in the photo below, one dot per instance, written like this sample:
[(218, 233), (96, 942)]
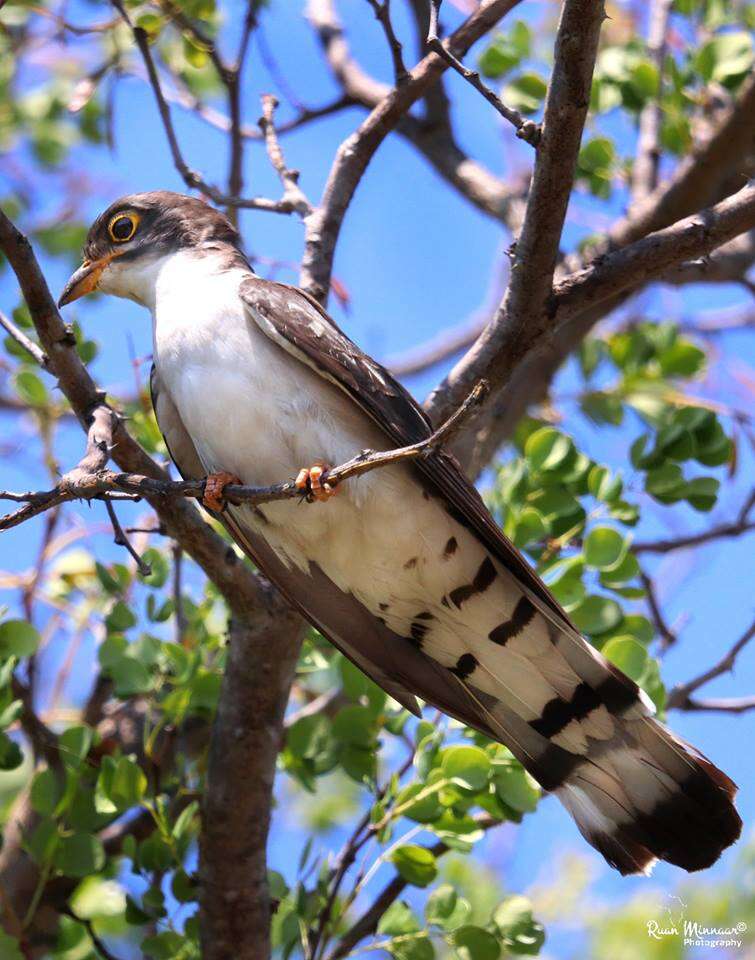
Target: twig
[(743, 524), (178, 603), (383, 16), (717, 705), (99, 945), (645, 171), (101, 484), (26, 342), (369, 920), (355, 153), (680, 695), (668, 637), (123, 541), (191, 178), (526, 130), (292, 192)]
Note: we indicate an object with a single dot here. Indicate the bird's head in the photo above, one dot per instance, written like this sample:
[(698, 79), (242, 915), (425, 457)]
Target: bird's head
[(127, 242)]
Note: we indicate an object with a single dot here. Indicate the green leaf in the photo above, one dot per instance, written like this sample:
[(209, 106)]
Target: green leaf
[(467, 766), (547, 449), (167, 945), (355, 725), (666, 483), (425, 810), (596, 615), (475, 943), (79, 854), (530, 527), (30, 388), (604, 548), (622, 573), (11, 756), (75, 743), (516, 787), (417, 947), (441, 904), (521, 933), (397, 919), (628, 654), (131, 677), (120, 618), (725, 57), (415, 864), (683, 359), (17, 639), (128, 784), (702, 493), (9, 947), (525, 93), (46, 791)]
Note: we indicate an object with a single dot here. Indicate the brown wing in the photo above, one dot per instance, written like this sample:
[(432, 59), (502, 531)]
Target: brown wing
[(299, 324)]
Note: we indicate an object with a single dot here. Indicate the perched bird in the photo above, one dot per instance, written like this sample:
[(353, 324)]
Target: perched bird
[(404, 570)]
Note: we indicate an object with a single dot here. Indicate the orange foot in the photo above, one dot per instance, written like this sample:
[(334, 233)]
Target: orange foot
[(313, 483), (214, 485)]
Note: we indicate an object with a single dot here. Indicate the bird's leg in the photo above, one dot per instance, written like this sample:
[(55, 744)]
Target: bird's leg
[(215, 484), (313, 482)]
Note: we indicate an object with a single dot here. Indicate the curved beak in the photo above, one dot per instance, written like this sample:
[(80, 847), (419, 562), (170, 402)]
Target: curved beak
[(85, 279)]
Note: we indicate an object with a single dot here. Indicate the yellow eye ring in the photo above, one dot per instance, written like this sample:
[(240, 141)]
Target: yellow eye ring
[(122, 227)]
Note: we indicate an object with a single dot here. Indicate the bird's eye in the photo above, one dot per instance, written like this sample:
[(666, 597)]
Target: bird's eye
[(122, 227)]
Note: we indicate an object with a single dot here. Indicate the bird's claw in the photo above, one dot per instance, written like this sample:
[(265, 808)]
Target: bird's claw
[(215, 484), (313, 482)]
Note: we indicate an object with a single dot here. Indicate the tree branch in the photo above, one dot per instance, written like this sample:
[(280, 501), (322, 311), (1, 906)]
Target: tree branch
[(645, 170), (680, 696), (355, 153), (369, 920), (181, 520), (505, 345), (192, 178), (526, 130), (536, 252), (246, 737), (292, 192), (382, 10), (432, 135), (97, 483)]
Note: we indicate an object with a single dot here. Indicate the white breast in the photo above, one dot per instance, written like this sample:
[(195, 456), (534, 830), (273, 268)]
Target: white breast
[(254, 411)]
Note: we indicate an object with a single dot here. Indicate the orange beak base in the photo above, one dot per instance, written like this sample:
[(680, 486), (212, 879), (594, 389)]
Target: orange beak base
[(85, 279)]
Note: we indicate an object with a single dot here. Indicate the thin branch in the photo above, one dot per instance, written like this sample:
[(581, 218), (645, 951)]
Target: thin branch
[(383, 16), (238, 584), (717, 705), (506, 343), (191, 178), (431, 134), (179, 615), (355, 153), (101, 484), (742, 524), (526, 130), (97, 942), (123, 541), (680, 696), (367, 923), (645, 170), (668, 637), (292, 192), (22, 340)]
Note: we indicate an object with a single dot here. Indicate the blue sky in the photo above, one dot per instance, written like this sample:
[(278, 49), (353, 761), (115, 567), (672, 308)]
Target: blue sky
[(417, 259)]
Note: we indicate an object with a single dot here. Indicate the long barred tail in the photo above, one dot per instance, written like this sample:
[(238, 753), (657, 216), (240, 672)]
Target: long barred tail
[(588, 733), (649, 796), (637, 792)]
